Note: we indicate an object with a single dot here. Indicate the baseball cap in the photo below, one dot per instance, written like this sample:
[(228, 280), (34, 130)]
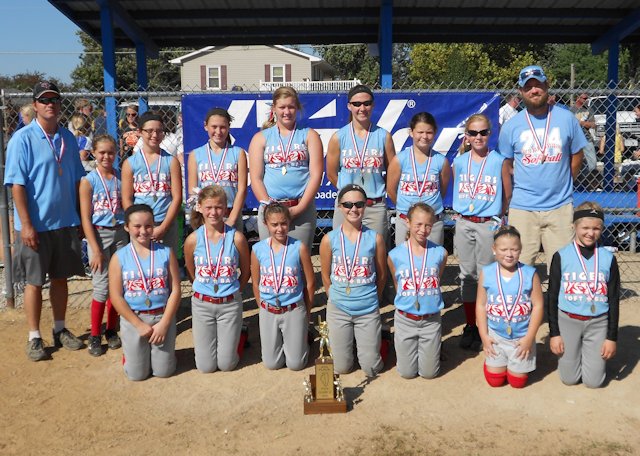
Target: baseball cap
[(531, 71), (43, 87)]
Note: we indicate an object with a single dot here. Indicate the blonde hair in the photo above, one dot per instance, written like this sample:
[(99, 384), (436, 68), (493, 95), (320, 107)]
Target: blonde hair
[(209, 192), (281, 92), (81, 124), (27, 111), (424, 207), (588, 205), (103, 138), (464, 145)]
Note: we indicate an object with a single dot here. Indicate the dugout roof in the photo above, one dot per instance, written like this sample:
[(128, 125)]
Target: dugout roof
[(198, 23)]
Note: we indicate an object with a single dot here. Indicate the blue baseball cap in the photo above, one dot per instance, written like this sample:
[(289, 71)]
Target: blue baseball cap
[(531, 71)]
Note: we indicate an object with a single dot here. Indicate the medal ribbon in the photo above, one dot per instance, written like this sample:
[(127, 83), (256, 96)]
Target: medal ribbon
[(57, 157), (145, 284), (288, 149), (509, 315), (154, 186), (542, 148), (216, 175), (207, 249), (277, 281), (364, 148), (596, 268), (417, 283), (473, 189), (113, 207), (420, 188), (349, 270)]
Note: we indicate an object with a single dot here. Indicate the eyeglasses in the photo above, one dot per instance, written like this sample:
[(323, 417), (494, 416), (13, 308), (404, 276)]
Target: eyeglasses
[(349, 204), (474, 133), (151, 131), (48, 100), (357, 104)]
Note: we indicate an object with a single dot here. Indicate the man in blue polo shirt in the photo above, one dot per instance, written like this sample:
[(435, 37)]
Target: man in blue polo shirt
[(544, 147), (43, 170)]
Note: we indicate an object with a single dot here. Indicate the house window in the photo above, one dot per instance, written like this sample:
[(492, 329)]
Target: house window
[(277, 73), (213, 78)]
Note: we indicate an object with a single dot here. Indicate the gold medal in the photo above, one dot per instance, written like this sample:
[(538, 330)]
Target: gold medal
[(509, 331), (417, 304), (471, 207), (348, 290), (215, 288), (147, 302), (593, 308), (283, 170), (59, 170)]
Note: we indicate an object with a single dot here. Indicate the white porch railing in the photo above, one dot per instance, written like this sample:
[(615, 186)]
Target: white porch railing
[(311, 86)]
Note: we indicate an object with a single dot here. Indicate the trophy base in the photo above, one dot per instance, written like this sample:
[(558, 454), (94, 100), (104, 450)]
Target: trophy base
[(319, 406)]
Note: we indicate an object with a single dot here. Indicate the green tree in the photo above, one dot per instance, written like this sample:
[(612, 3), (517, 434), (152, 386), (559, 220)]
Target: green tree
[(26, 81), (89, 73)]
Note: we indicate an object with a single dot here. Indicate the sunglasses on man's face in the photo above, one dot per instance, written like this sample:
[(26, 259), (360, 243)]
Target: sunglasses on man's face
[(48, 100), (357, 104), (474, 133), (357, 204)]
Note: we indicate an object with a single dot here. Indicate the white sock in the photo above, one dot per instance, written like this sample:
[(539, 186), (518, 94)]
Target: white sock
[(58, 326), (34, 335)]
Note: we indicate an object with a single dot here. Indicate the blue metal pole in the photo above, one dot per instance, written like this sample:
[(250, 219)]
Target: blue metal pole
[(385, 44), (143, 80), (109, 64), (612, 109)]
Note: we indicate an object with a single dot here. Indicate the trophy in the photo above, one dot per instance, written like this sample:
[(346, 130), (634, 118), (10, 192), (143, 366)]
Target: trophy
[(323, 390)]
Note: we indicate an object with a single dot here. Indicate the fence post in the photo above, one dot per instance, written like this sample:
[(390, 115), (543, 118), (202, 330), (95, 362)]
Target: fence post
[(4, 216)]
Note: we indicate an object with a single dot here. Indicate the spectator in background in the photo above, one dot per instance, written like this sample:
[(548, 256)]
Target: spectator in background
[(84, 107), (588, 178), (81, 130), (129, 133), (636, 112), (509, 109), (27, 114), (100, 123)]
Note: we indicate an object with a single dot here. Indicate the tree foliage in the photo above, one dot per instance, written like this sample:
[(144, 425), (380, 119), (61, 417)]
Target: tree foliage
[(588, 68), (26, 81), (89, 73)]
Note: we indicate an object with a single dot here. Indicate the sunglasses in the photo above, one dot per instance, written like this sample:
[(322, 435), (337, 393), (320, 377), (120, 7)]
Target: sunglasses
[(48, 100), (474, 133), (357, 204), (534, 72), (357, 104), (132, 114)]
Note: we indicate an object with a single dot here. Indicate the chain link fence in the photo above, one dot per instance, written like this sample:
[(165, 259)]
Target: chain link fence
[(609, 175)]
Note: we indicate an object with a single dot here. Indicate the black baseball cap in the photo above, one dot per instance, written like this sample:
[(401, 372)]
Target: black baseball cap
[(43, 87)]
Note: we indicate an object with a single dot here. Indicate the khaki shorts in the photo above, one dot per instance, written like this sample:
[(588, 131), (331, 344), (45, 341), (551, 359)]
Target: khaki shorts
[(59, 254)]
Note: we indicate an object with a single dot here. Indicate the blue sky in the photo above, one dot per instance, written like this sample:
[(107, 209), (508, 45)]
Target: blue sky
[(23, 46)]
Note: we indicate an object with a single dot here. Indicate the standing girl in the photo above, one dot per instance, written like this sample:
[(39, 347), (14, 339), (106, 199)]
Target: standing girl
[(144, 286), (129, 132), (509, 310), (284, 286), (419, 174), (219, 163), (81, 130), (285, 163), (359, 153), (354, 273), (584, 295), (481, 194), (418, 300), (103, 225), (152, 177), (213, 254)]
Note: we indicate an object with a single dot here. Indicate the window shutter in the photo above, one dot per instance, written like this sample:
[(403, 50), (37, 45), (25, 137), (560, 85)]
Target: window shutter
[(203, 77), (267, 73), (223, 77), (287, 72)]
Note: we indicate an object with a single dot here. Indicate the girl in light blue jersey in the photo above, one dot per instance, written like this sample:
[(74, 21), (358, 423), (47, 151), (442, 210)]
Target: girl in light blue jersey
[(354, 272), (419, 173), (417, 266), (509, 312), (285, 162), (359, 153), (103, 224), (218, 162), (217, 260), (283, 285)]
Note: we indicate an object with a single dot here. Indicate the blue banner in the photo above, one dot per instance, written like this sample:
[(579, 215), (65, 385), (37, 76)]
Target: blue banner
[(327, 112)]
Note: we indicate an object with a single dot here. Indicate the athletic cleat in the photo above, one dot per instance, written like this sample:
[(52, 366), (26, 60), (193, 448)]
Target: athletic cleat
[(67, 340), (467, 336), (35, 350), (113, 340), (95, 345)]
